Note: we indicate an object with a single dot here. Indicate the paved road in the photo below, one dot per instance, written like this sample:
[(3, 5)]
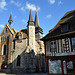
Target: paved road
[(25, 74)]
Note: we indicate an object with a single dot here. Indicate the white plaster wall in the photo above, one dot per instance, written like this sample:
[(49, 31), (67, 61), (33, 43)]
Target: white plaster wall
[(60, 49), (69, 44), (48, 53), (57, 43)]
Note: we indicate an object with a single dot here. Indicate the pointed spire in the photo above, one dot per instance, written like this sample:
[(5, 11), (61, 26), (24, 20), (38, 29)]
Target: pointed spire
[(10, 16), (36, 20), (30, 22), (10, 20), (30, 16)]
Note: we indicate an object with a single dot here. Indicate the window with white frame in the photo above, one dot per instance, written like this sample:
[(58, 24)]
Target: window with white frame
[(20, 36), (73, 43), (53, 47)]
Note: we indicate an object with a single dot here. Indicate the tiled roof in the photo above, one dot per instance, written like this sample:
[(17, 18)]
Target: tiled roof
[(23, 32), (68, 18)]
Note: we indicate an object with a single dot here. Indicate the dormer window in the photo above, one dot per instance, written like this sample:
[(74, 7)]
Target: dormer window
[(20, 36), (64, 27)]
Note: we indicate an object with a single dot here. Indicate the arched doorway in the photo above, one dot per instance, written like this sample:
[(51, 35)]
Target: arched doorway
[(4, 66)]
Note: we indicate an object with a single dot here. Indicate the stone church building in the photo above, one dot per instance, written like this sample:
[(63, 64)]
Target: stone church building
[(22, 51)]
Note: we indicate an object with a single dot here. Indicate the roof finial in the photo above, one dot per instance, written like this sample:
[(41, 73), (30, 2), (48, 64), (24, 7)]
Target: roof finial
[(11, 10), (10, 20), (36, 7)]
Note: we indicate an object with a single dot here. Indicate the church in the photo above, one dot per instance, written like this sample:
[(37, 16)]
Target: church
[(22, 51)]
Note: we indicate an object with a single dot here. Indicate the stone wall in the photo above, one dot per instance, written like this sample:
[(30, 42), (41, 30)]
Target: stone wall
[(31, 37), (20, 46), (9, 48), (31, 63)]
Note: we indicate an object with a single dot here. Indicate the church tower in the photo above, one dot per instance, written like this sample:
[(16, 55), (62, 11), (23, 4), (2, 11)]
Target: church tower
[(38, 29), (10, 20), (31, 32)]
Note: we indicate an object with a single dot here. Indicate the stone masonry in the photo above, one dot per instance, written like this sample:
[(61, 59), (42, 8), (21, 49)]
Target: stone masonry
[(32, 63)]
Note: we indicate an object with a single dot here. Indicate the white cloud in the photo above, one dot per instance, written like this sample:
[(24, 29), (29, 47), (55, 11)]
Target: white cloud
[(24, 21), (1, 26), (60, 2), (2, 5), (52, 1), (18, 4), (32, 6), (14, 16), (22, 8), (49, 16)]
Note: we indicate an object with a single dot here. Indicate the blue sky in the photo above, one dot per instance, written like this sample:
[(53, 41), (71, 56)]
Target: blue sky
[(49, 12)]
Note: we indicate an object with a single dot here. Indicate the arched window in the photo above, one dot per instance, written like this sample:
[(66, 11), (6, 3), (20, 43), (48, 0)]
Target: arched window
[(13, 44), (3, 38), (18, 60), (5, 50)]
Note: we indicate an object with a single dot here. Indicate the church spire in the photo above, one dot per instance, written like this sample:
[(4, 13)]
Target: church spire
[(31, 32), (36, 20), (30, 16), (10, 20), (38, 29), (10, 16), (30, 22)]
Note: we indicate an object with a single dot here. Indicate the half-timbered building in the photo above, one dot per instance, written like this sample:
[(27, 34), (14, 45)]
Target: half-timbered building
[(60, 46)]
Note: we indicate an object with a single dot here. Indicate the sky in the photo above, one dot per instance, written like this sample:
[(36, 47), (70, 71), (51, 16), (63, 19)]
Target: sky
[(49, 12)]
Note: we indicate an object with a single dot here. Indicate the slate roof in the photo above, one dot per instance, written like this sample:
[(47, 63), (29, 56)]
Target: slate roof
[(36, 21), (30, 16), (68, 18), (10, 18)]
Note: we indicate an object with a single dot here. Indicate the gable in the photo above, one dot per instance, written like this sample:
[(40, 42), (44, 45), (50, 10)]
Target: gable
[(6, 30), (67, 19)]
